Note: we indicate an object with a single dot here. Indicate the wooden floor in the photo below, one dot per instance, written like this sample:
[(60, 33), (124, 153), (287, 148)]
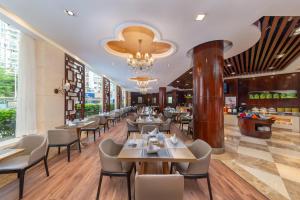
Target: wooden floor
[(79, 179)]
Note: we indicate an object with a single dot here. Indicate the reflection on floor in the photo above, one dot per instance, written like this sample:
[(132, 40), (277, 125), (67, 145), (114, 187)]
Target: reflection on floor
[(270, 165)]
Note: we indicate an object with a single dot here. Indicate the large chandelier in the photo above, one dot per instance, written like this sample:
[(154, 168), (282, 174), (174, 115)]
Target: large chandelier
[(140, 61)]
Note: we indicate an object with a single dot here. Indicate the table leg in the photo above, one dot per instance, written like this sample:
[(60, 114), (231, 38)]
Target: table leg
[(166, 169), (143, 168)]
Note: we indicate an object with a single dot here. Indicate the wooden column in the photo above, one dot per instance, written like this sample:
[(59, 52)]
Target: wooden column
[(208, 94), (162, 98)]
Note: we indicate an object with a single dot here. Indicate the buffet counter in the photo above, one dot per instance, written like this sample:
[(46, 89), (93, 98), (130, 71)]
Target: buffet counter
[(259, 128), (290, 122)]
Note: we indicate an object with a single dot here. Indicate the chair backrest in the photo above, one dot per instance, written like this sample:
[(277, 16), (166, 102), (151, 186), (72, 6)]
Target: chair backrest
[(108, 152), (62, 136), (148, 128), (102, 120), (202, 151), (35, 145), (159, 187), (130, 122)]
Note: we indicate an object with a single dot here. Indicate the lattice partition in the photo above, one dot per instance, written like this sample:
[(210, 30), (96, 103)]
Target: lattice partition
[(106, 95), (75, 97), (119, 96)]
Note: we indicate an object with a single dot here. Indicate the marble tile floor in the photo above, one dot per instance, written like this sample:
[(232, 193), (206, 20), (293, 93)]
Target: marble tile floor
[(272, 165)]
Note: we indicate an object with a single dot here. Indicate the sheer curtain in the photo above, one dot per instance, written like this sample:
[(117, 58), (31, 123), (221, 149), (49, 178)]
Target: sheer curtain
[(26, 92)]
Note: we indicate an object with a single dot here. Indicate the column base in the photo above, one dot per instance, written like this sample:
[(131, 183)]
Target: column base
[(218, 150)]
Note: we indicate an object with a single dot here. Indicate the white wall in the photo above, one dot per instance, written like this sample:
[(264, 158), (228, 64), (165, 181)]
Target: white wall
[(50, 63)]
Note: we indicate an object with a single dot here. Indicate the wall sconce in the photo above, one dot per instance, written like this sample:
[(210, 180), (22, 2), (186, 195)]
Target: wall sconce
[(63, 88)]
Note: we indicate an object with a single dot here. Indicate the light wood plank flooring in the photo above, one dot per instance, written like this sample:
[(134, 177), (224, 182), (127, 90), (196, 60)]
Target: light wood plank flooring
[(79, 179)]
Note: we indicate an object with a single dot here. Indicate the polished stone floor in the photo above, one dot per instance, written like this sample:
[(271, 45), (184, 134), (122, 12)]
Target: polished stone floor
[(272, 165)]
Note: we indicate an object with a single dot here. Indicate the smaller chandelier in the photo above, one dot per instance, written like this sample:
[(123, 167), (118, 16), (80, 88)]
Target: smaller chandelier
[(144, 90), (143, 81), (141, 61)]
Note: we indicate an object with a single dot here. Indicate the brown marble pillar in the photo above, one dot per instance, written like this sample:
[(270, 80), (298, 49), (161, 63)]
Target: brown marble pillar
[(208, 94), (162, 98), (174, 98)]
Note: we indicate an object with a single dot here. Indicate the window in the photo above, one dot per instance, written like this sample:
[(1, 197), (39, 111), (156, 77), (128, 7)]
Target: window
[(170, 99), (93, 93), (112, 95), (123, 103), (9, 62)]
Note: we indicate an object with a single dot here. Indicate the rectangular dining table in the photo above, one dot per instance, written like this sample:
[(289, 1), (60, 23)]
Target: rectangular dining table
[(146, 121), (169, 152)]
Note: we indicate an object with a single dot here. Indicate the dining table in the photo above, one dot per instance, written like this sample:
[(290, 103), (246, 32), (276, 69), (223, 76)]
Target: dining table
[(148, 121), (6, 153), (136, 149)]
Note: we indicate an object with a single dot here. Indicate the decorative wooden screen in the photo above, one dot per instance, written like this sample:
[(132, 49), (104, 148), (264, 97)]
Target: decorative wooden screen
[(106, 95), (75, 97), (119, 97)]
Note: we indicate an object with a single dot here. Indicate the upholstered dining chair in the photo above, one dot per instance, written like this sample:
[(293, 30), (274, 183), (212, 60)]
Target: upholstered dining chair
[(166, 126), (159, 187), (93, 127), (103, 121), (131, 127), (199, 169), (63, 137), (111, 166), (35, 147), (112, 118), (148, 128), (191, 128)]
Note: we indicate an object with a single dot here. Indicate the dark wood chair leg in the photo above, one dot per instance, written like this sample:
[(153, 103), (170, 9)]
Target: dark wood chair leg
[(21, 183), (104, 128), (46, 166), (209, 187), (68, 151), (171, 168), (79, 146), (99, 186), (47, 152), (94, 136), (128, 133), (128, 185), (58, 150)]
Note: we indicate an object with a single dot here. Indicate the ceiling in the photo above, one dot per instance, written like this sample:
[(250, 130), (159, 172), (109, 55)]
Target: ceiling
[(276, 49), (174, 20)]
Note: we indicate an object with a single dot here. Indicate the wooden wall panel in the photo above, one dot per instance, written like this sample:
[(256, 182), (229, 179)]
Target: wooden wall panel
[(75, 97), (119, 97), (106, 95)]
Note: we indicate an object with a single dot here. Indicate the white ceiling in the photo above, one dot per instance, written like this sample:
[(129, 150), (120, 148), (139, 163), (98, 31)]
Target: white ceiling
[(98, 20)]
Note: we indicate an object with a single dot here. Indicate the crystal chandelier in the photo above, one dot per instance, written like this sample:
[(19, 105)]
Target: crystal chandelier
[(144, 90), (141, 61)]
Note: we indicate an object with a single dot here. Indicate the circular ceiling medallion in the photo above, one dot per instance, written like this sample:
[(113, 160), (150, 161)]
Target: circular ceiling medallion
[(128, 42)]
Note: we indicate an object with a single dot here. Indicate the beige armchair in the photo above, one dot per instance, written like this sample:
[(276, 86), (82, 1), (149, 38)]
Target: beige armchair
[(93, 127), (111, 165), (166, 126), (159, 187), (35, 147), (199, 169), (63, 137), (131, 127)]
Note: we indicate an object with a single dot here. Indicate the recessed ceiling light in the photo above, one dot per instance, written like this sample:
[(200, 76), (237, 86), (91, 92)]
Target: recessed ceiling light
[(271, 68), (232, 73), (229, 65), (190, 72), (186, 84), (280, 55), (200, 17), (177, 81), (69, 12)]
